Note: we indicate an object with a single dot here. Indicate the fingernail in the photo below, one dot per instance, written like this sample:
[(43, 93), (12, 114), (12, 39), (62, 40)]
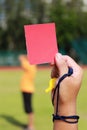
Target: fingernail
[(58, 56)]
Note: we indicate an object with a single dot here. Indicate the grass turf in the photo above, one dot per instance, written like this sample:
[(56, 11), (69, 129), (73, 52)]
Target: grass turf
[(12, 115)]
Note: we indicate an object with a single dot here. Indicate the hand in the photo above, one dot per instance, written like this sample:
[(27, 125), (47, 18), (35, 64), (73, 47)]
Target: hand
[(70, 86)]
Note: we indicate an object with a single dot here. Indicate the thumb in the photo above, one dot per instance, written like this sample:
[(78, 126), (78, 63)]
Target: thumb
[(61, 64)]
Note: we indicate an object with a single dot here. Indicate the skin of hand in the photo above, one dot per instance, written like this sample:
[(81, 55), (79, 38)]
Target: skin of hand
[(69, 89)]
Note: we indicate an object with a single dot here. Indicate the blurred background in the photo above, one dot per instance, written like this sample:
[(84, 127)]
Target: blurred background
[(70, 17)]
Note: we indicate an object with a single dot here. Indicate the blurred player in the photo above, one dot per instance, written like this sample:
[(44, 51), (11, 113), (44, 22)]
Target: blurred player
[(27, 88)]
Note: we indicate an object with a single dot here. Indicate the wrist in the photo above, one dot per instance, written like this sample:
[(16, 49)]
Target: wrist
[(66, 109)]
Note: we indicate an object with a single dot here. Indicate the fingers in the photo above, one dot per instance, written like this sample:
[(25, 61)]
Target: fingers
[(61, 64), (54, 72), (78, 72), (70, 61)]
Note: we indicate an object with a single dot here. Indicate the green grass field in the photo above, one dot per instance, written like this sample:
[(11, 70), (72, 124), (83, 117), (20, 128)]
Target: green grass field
[(12, 115)]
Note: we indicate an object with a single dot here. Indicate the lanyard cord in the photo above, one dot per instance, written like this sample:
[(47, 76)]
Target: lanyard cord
[(73, 118), (70, 72)]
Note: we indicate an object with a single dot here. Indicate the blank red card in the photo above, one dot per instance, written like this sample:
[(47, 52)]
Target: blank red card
[(41, 43)]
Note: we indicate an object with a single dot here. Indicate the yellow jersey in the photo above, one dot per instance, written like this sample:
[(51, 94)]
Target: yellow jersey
[(28, 78)]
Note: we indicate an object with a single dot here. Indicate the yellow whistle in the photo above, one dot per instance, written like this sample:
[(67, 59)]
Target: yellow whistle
[(52, 84)]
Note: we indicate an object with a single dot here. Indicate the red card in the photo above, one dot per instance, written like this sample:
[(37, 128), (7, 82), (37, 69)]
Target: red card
[(41, 43)]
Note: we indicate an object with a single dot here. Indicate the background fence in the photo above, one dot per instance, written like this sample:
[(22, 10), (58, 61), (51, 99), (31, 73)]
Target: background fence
[(78, 51), (10, 58)]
